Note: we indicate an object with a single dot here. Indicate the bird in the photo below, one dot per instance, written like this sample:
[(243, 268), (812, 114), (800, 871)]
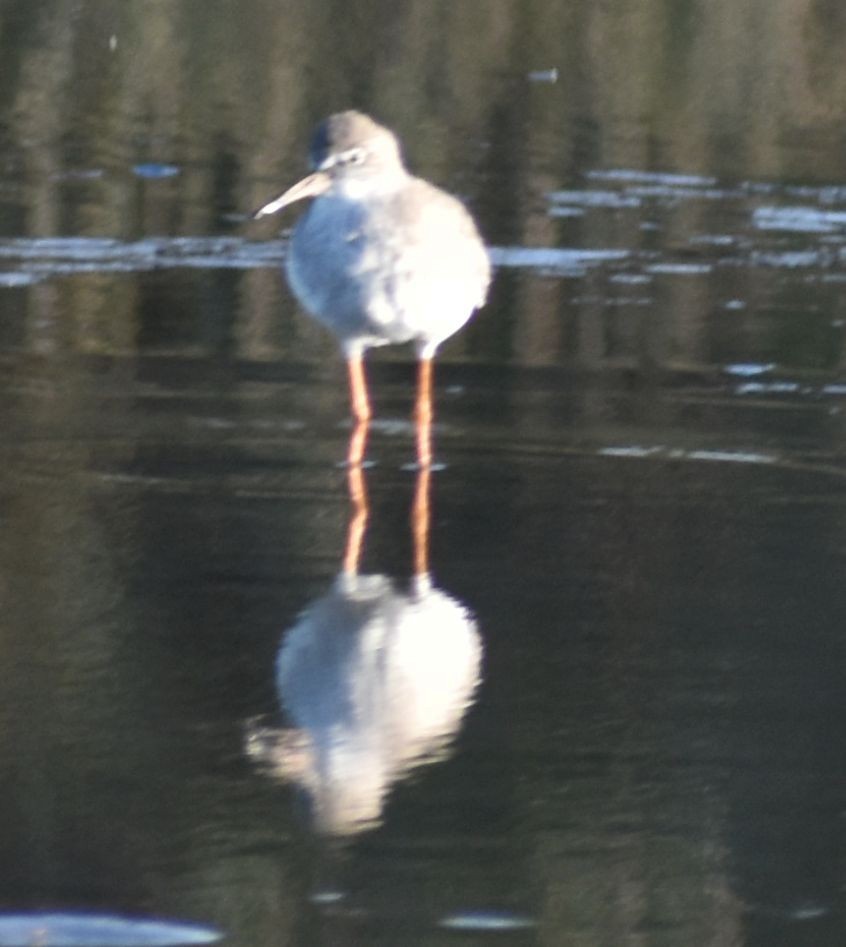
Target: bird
[(380, 257)]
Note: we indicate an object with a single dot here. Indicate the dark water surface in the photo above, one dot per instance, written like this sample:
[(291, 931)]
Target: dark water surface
[(615, 714)]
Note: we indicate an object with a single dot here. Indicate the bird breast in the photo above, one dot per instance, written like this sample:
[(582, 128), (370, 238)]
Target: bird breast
[(398, 266)]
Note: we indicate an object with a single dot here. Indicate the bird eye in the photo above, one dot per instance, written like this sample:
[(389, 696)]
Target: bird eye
[(353, 156)]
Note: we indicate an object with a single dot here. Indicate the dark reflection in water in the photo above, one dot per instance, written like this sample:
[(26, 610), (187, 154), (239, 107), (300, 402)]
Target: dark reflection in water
[(375, 679)]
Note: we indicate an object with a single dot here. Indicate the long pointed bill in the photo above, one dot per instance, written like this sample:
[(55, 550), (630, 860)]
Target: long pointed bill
[(312, 186)]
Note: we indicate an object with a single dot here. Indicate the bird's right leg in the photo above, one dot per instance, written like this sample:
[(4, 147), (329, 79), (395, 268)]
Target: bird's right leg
[(361, 412), (423, 413), (358, 389)]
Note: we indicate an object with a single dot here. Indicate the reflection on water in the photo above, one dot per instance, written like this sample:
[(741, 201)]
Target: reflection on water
[(375, 679)]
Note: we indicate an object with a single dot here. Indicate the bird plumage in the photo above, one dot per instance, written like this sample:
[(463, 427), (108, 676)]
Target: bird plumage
[(396, 265), (381, 256)]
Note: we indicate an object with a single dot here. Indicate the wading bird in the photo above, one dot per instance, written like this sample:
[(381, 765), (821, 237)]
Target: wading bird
[(381, 257)]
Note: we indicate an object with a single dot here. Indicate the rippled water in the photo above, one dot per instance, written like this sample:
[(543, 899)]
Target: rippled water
[(581, 685)]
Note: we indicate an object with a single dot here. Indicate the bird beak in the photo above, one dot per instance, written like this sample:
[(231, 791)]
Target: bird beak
[(312, 186)]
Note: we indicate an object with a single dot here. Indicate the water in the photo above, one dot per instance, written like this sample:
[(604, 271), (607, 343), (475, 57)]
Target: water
[(72, 929), (613, 711)]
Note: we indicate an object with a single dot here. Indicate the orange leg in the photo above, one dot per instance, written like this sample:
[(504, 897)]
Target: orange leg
[(358, 389), (360, 409), (423, 414), (355, 455), (358, 521), (358, 443), (420, 516)]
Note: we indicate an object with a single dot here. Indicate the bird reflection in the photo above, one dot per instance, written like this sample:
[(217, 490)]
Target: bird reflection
[(374, 678)]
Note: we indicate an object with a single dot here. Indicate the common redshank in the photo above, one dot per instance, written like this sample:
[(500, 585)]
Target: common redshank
[(381, 257)]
